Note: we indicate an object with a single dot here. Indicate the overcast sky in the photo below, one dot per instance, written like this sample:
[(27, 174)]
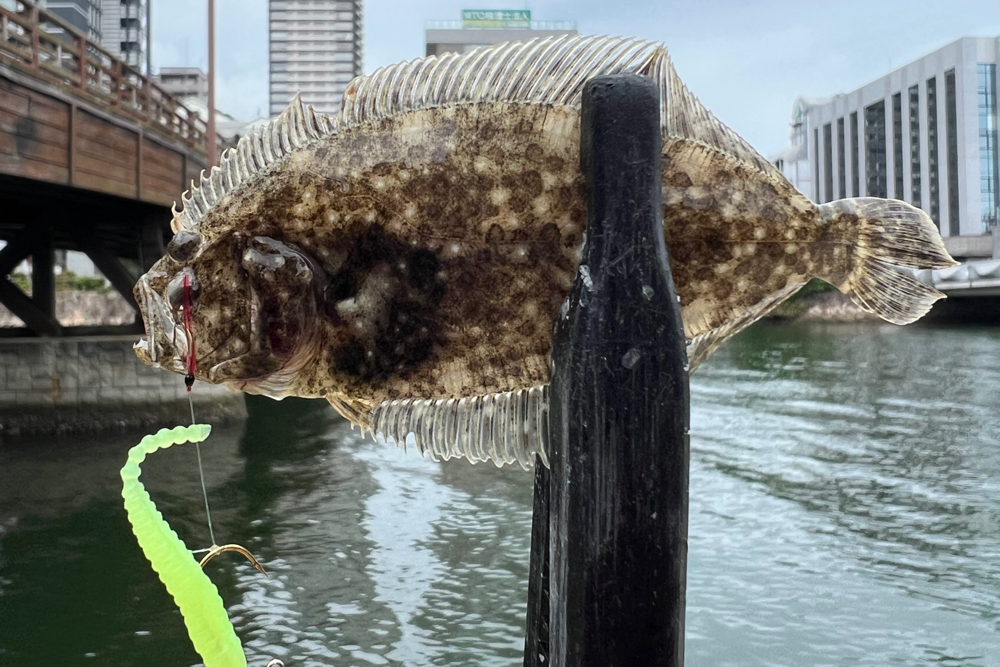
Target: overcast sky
[(747, 61)]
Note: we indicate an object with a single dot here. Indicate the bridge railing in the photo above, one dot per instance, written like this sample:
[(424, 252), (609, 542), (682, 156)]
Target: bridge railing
[(42, 45)]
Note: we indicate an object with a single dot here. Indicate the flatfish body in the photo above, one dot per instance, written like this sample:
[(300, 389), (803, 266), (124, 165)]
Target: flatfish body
[(407, 259)]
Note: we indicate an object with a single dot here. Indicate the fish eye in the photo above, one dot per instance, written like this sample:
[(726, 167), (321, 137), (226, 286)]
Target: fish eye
[(183, 246), (175, 289)]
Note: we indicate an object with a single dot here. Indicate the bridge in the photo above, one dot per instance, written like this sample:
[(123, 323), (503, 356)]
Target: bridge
[(92, 155)]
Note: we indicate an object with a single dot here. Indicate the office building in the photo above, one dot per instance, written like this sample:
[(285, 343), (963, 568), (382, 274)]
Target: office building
[(121, 27), (183, 81), (315, 50), (125, 31), (491, 26), (84, 15), (925, 133)]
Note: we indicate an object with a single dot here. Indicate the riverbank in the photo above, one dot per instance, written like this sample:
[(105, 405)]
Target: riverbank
[(94, 384)]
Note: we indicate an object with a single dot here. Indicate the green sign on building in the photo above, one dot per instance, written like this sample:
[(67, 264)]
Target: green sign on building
[(496, 18)]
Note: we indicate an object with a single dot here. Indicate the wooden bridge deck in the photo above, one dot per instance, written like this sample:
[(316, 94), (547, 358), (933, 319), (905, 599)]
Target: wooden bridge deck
[(92, 154)]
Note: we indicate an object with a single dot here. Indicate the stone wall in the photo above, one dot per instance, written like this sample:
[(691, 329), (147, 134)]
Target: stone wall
[(76, 384)]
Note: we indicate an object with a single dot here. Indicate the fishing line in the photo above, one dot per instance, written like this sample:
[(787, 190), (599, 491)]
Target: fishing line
[(189, 383)]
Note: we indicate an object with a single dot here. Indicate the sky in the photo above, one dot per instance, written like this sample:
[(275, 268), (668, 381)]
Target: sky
[(747, 61)]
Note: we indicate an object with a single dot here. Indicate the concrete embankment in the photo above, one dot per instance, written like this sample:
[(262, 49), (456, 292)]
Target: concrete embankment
[(52, 386)]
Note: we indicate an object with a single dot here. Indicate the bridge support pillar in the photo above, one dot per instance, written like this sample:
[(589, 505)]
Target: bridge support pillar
[(43, 279), (37, 313)]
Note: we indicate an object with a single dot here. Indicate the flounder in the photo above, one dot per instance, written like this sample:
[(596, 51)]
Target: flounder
[(407, 258)]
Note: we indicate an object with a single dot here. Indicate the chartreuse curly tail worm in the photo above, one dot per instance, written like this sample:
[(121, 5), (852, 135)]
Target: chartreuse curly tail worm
[(194, 593)]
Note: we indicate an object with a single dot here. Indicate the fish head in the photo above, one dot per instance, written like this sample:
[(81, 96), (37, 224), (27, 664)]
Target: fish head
[(242, 306)]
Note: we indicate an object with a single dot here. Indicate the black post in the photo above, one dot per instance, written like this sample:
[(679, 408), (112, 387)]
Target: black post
[(43, 276), (619, 410), (536, 643)]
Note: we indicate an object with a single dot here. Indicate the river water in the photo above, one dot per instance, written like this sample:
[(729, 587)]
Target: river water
[(845, 510)]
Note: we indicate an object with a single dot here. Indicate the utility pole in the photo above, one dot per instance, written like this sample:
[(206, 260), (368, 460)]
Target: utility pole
[(211, 84)]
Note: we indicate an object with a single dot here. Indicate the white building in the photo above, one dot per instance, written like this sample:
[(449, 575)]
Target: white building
[(925, 133), (489, 26), (315, 50), (183, 81), (124, 31)]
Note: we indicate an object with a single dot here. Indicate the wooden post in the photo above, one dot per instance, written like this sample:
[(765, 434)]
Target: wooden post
[(619, 409), (536, 644)]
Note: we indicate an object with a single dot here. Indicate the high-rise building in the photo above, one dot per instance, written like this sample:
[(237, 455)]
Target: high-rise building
[(124, 30), (120, 26), (315, 50), (489, 26), (84, 15), (925, 133)]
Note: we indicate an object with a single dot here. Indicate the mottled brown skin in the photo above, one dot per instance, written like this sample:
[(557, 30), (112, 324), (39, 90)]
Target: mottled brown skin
[(440, 245)]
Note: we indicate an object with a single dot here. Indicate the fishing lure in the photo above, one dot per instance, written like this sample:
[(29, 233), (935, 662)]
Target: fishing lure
[(198, 599)]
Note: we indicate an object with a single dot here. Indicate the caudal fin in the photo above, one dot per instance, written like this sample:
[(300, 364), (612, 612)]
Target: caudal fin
[(882, 234)]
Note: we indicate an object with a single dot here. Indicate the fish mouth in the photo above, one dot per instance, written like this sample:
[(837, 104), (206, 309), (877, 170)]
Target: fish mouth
[(165, 345)]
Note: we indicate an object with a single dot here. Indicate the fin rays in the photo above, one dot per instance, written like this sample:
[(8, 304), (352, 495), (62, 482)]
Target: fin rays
[(503, 428)]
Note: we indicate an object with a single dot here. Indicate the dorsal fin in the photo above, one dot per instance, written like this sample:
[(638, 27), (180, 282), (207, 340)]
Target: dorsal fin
[(295, 127), (549, 70)]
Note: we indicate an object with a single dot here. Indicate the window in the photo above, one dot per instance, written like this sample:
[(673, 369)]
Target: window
[(897, 146), (841, 161), (915, 145), (951, 121), (988, 167), (816, 165), (855, 150), (827, 163), (932, 151), (875, 164)]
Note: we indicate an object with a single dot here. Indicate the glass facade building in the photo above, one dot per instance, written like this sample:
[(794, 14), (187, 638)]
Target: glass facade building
[(875, 155), (989, 172), (926, 133), (914, 101), (934, 182), (841, 162), (951, 126), (855, 172)]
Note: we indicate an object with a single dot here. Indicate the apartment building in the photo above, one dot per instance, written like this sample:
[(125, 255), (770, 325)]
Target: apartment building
[(315, 50)]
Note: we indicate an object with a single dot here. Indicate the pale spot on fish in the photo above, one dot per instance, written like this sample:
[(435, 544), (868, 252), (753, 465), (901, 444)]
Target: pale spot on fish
[(790, 233), (750, 248), (722, 269), (299, 209), (759, 233), (409, 211), (332, 216), (370, 216), (541, 205), (499, 196), (480, 164), (791, 248), (380, 184)]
